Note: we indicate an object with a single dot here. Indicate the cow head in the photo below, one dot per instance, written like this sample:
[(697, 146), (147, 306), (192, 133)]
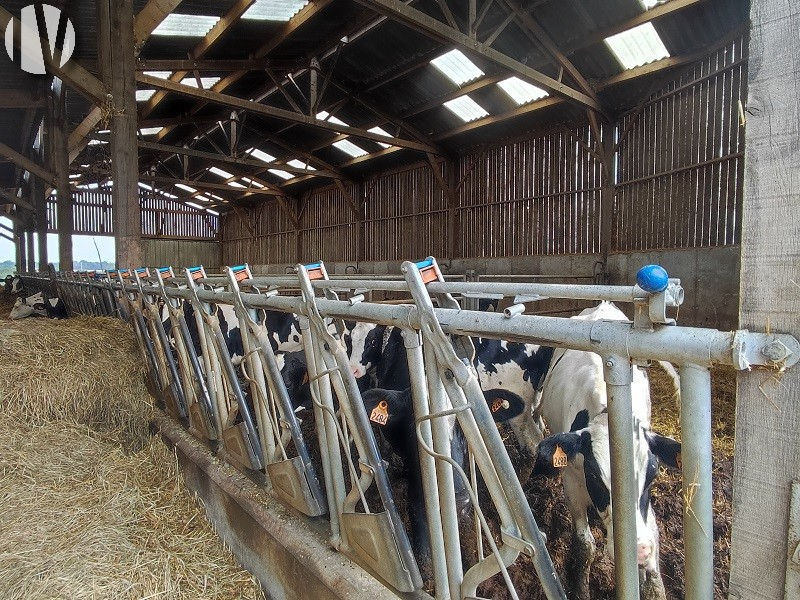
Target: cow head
[(365, 342), (583, 455), (30, 306), (295, 377)]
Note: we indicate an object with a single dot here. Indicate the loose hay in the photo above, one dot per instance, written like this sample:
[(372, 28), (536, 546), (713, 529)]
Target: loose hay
[(83, 519), (80, 370), (91, 505)]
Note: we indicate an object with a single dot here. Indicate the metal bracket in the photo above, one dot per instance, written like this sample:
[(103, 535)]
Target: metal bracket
[(777, 351)]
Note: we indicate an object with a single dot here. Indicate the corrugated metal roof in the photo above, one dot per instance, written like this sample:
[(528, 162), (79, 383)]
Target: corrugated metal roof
[(387, 66)]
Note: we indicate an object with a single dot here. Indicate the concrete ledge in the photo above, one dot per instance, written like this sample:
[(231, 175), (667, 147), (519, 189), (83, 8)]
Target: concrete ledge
[(281, 549)]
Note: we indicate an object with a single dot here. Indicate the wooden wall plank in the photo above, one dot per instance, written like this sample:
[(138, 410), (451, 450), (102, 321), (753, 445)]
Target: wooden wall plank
[(768, 414)]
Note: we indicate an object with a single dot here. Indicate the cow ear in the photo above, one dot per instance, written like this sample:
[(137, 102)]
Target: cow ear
[(556, 451), (503, 405), (666, 449)]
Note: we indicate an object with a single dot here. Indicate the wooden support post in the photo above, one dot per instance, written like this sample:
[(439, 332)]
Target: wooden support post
[(116, 39), (22, 263), (38, 190), (607, 191), (59, 164), (31, 252), (764, 554)]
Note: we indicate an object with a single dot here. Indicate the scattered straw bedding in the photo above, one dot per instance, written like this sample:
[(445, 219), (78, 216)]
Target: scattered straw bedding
[(91, 505)]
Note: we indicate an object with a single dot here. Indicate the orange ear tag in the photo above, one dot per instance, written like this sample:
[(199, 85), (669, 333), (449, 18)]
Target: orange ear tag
[(559, 458), (380, 414), (498, 404)]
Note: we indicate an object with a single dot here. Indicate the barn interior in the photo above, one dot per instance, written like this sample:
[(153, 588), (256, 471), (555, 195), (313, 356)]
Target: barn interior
[(528, 140)]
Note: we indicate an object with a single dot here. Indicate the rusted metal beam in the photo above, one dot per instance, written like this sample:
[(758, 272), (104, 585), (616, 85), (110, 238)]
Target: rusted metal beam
[(420, 21)]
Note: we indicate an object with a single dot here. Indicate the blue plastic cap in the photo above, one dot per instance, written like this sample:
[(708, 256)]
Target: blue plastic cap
[(313, 266), (194, 269), (652, 278), (424, 264)]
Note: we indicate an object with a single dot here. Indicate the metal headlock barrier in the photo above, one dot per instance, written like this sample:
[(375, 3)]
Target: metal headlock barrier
[(245, 414)]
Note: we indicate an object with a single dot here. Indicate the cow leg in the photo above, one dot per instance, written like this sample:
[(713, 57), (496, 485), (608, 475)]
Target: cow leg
[(583, 541)]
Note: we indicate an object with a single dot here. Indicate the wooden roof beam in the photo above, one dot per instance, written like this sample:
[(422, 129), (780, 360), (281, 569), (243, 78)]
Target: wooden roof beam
[(646, 17), (277, 113), (285, 31), (21, 202), (144, 23), (211, 38), (26, 163), (241, 162), (537, 33), (423, 23)]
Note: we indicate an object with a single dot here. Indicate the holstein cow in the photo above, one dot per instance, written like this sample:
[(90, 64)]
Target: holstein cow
[(573, 405), (508, 373), (38, 305)]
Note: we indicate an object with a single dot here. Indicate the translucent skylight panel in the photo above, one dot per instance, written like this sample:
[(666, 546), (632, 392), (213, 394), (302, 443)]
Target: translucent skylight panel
[(185, 25), (159, 74), (215, 197), (274, 10), (261, 155), (220, 172), (638, 46), (150, 130), (326, 116), (167, 195), (249, 181), (95, 142), (144, 95), (212, 212), (380, 131), (75, 176), (457, 67), (193, 205), (207, 82), (466, 109), (282, 174), (187, 188), (350, 148), (236, 184), (144, 186), (521, 91), (648, 4), (300, 164)]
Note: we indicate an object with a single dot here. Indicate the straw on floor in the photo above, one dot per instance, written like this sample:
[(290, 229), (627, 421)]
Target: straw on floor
[(91, 505)]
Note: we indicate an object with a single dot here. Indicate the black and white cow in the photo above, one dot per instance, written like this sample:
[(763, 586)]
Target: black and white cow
[(38, 305), (573, 406), (508, 373)]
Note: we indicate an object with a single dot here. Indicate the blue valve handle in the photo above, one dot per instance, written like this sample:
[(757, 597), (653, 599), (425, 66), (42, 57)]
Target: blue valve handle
[(652, 278)]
